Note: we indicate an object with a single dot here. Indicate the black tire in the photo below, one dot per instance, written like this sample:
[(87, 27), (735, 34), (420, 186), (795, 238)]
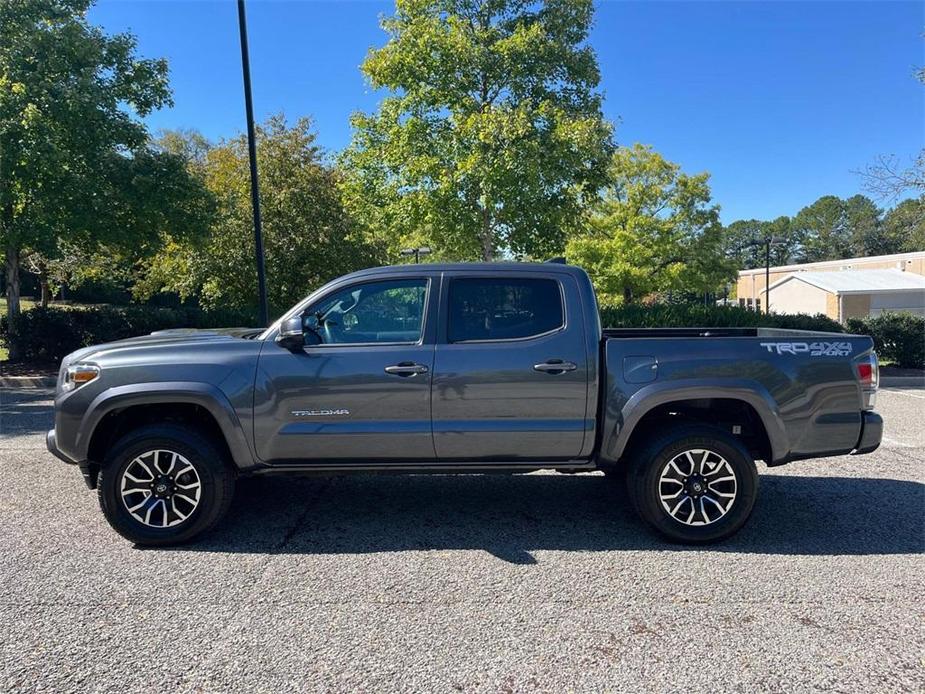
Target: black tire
[(215, 479), (650, 459)]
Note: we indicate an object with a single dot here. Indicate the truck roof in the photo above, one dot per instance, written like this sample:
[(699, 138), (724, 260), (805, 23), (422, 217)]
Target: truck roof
[(470, 267)]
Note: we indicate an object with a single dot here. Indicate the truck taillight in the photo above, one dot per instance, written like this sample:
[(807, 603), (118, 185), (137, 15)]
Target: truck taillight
[(869, 377)]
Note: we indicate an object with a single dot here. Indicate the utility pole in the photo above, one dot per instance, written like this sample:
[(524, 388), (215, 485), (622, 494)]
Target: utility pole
[(252, 155)]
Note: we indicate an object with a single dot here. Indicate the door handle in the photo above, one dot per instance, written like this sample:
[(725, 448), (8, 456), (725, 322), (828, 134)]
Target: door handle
[(555, 366), (406, 368)]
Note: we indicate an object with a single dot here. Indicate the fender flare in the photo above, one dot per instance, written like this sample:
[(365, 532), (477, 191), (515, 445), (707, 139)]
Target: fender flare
[(207, 396), (622, 423)]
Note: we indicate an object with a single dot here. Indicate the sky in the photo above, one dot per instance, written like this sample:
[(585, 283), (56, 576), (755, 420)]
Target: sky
[(780, 101)]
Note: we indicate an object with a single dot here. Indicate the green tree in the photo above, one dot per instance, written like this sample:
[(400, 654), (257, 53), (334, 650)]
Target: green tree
[(822, 230), (656, 229), (743, 242), (491, 139), (74, 162), (829, 229), (904, 226), (308, 236), (832, 228), (863, 220)]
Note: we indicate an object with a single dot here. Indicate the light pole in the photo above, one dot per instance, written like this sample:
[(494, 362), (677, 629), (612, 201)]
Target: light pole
[(767, 242), (252, 155), (416, 252)]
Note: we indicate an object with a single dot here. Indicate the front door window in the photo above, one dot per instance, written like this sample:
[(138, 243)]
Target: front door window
[(387, 312)]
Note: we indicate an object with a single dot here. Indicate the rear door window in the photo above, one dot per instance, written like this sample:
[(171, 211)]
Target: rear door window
[(503, 308)]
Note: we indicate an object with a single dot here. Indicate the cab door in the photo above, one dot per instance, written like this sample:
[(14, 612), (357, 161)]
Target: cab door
[(511, 369), (360, 389)]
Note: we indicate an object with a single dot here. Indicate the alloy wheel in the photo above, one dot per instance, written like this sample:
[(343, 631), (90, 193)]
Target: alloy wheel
[(160, 488), (697, 487)]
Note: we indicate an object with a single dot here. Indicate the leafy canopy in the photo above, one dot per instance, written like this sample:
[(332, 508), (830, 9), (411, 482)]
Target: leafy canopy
[(904, 225), (744, 241), (655, 230), (491, 138), (831, 228), (75, 167), (308, 236)]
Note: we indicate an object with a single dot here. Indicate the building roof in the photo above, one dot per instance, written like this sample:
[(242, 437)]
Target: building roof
[(859, 281), (844, 263)]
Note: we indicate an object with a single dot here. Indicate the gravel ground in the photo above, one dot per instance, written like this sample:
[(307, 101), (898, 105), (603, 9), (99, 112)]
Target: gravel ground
[(470, 583)]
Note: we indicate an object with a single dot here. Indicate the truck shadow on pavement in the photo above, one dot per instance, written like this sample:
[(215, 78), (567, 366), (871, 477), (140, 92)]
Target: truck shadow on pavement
[(514, 516)]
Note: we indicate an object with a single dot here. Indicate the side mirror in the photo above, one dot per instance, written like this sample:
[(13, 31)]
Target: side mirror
[(291, 334)]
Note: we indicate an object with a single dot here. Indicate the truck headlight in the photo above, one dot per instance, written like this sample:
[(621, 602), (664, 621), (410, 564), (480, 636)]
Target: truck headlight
[(79, 374)]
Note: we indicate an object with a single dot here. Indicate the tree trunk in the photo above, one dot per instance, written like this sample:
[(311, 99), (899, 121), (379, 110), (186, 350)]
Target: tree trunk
[(12, 293), (627, 295), (488, 251), (43, 283)]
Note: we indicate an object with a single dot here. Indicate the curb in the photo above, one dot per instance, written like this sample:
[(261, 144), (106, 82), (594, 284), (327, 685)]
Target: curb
[(18, 382)]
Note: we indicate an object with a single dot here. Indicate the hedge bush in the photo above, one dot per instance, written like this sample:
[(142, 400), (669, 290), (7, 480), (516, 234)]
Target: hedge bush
[(709, 315), (898, 337), (51, 333)]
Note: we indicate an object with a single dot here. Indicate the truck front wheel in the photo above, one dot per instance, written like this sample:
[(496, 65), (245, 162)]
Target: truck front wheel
[(164, 484), (693, 484)]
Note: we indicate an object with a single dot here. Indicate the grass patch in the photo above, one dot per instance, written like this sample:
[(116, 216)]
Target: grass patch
[(25, 304)]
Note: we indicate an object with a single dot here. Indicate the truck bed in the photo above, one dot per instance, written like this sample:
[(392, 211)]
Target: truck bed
[(801, 385)]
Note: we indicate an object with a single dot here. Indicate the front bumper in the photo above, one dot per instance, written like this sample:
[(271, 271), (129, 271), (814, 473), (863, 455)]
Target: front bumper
[(871, 433), (51, 443), (87, 469)]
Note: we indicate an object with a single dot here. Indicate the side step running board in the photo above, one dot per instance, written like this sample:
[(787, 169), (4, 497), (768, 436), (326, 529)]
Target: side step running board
[(427, 467)]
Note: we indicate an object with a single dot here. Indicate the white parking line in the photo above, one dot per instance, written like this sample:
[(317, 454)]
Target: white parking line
[(897, 443), (917, 396)]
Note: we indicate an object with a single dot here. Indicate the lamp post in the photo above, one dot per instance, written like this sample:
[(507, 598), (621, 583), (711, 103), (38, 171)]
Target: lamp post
[(416, 252), (767, 242), (252, 155)]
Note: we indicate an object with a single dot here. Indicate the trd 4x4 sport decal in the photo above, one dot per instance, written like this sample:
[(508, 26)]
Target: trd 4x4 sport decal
[(814, 349)]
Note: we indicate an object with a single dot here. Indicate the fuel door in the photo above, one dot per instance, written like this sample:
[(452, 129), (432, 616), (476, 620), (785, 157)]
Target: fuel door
[(640, 369)]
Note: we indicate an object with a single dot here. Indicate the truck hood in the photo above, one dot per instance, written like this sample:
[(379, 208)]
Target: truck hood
[(177, 337)]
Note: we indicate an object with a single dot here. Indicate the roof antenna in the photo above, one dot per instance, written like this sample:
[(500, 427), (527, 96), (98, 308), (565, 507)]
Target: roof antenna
[(558, 260)]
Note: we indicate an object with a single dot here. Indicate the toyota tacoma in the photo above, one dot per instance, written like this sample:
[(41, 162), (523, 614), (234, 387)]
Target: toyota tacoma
[(452, 369)]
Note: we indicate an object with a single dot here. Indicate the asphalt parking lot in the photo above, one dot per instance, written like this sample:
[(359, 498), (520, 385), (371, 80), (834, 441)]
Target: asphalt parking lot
[(537, 582)]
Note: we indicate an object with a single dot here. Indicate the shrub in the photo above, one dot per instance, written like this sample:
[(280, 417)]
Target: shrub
[(712, 316), (898, 337), (51, 333)]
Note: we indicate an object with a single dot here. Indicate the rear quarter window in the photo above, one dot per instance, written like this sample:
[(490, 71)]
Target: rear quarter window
[(503, 308)]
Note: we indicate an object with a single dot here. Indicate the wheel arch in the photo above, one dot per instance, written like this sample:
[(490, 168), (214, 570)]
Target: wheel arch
[(742, 403), (200, 405)]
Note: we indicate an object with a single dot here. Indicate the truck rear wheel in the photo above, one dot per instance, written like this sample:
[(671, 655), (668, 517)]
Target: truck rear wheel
[(164, 484), (693, 484)]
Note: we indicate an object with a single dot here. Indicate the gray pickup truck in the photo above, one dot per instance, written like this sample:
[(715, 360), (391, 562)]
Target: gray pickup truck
[(458, 368)]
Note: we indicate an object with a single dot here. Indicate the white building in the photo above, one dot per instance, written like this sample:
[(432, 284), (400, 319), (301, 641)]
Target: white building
[(849, 293), (840, 289)]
